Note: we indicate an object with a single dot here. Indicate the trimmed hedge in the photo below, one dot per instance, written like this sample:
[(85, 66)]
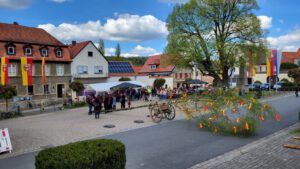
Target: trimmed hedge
[(91, 154)]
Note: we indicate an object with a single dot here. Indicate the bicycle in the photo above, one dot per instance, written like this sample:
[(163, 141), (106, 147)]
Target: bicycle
[(160, 111)]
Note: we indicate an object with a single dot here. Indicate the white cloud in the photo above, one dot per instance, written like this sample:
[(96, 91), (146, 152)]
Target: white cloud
[(135, 52), (173, 1), (126, 27), (59, 1), (14, 4), (266, 21), (288, 42), (110, 51)]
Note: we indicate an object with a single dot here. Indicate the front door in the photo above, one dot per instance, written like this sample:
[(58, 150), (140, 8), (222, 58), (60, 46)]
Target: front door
[(60, 90)]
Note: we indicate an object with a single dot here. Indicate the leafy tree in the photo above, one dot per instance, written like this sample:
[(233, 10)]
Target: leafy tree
[(101, 47), (124, 79), (158, 83), (118, 51), (214, 33), (287, 66), (76, 86), (295, 74), (7, 92)]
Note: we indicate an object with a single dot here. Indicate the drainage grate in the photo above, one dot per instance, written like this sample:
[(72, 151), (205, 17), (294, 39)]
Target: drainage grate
[(138, 121), (109, 126)]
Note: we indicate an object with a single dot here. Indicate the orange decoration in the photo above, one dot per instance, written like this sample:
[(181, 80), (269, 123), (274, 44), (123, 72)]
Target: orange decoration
[(205, 108), (238, 120), (234, 129), (250, 106), (200, 125), (246, 126), (261, 118), (223, 113), (241, 102), (277, 117)]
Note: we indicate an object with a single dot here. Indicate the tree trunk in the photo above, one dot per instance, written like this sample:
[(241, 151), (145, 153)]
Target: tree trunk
[(6, 101)]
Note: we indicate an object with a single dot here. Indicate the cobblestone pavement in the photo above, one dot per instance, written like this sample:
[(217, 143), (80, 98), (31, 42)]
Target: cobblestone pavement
[(31, 133), (265, 153)]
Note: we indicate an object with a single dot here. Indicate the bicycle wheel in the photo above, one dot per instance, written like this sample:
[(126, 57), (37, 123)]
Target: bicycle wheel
[(156, 115), (172, 113)]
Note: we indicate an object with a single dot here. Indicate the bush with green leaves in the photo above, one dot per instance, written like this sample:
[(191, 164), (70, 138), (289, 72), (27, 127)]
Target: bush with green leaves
[(158, 83), (288, 66), (258, 82), (91, 154), (7, 92), (76, 86), (124, 79)]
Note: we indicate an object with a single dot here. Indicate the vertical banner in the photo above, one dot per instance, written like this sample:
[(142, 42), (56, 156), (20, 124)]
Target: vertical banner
[(268, 63), (272, 61), (44, 71), (278, 62), (4, 70), (26, 66)]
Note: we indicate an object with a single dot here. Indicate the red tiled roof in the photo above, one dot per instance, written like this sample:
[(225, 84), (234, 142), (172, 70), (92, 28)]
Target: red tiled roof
[(24, 34), (155, 60), (289, 57), (137, 69), (75, 49), (35, 37)]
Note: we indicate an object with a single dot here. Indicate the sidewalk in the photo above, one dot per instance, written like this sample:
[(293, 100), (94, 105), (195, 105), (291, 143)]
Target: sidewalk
[(267, 152)]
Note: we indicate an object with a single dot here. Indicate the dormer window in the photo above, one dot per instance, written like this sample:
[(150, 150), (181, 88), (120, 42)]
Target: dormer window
[(10, 49), (44, 51), (28, 51), (152, 67), (59, 53)]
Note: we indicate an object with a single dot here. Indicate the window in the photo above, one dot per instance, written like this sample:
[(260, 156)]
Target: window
[(60, 70), (28, 51), (46, 89), (47, 70), (44, 52), (58, 53), (98, 69), (12, 70), (11, 50), (30, 90), (90, 54), (298, 62), (180, 75), (185, 75), (82, 69), (152, 66)]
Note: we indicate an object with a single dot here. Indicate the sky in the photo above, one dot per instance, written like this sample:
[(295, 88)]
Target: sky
[(139, 26)]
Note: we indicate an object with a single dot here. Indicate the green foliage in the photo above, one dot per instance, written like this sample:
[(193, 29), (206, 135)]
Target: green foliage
[(205, 31), (258, 82), (76, 86), (138, 61), (91, 154), (158, 83), (7, 92), (118, 51), (124, 79), (285, 80), (288, 66), (295, 74), (226, 112), (101, 47)]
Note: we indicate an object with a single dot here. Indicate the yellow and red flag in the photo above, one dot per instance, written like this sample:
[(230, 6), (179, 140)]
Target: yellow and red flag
[(44, 71), (4, 70), (26, 66)]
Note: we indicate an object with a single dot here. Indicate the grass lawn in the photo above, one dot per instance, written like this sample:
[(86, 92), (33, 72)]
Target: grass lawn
[(296, 131)]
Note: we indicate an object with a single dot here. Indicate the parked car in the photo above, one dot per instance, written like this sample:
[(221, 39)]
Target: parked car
[(278, 85), (254, 86), (266, 86)]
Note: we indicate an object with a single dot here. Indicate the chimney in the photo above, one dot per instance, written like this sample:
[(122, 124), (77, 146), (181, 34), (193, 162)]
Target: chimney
[(73, 42), (15, 23)]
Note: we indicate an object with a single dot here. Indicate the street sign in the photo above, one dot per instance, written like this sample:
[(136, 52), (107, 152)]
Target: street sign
[(5, 144)]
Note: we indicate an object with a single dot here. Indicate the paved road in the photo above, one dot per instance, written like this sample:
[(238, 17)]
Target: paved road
[(179, 144)]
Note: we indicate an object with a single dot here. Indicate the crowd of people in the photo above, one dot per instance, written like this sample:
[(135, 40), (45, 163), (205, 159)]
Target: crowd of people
[(108, 101)]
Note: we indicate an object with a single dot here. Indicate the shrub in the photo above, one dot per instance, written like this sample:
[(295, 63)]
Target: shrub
[(77, 86), (287, 66), (91, 154), (124, 79), (158, 83), (7, 92), (258, 82), (285, 80)]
